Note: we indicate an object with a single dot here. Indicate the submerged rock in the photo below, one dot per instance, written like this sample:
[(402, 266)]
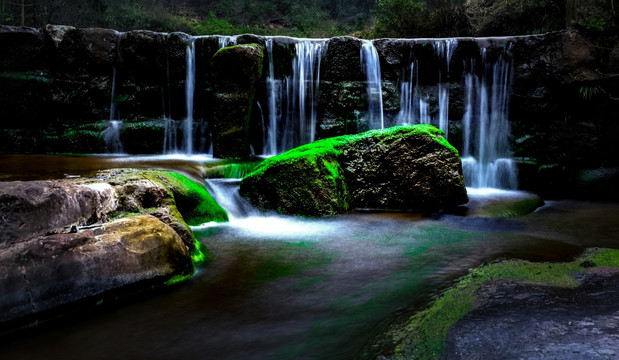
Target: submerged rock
[(71, 240), (408, 168)]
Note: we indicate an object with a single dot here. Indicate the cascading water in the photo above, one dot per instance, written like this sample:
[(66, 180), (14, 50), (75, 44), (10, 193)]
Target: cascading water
[(225, 41), (414, 103), (226, 193), (486, 129), (444, 49), (371, 65), (485, 126), (293, 101), (190, 84), (306, 85), (111, 134), (273, 86)]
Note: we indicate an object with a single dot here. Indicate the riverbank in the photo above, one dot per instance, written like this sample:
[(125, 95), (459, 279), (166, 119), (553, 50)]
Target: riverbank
[(514, 309)]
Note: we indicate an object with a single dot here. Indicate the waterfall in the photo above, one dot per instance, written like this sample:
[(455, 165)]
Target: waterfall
[(273, 85), (414, 104), (190, 82), (371, 65), (444, 49), (485, 126), (226, 193), (111, 133), (306, 82), (225, 41), (293, 101)]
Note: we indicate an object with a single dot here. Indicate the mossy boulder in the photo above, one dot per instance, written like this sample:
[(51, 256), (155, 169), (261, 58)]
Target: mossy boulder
[(75, 240), (407, 168)]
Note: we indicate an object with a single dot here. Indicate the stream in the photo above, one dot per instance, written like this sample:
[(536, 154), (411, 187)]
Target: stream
[(280, 287)]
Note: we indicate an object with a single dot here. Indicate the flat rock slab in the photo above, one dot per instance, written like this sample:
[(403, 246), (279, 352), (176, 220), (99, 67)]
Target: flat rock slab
[(521, 321)]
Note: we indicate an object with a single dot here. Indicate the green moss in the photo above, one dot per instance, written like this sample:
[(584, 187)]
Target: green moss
[(427, 330), (200, 254), (39, 76), (309, 180), (230, 169), (257, 46), (193, 201), (331, 147)]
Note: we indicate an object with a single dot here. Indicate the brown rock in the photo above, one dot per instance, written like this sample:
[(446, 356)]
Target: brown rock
[(30, 209), (46, 272)]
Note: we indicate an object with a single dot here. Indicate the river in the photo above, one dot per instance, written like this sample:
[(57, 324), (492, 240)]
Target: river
[(281, 287)]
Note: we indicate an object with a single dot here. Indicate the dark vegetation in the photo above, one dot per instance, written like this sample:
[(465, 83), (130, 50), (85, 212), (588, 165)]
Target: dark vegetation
[(302, 18)]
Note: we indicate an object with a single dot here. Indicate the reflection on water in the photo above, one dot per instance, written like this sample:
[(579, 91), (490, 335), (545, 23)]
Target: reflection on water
[(293, 288)]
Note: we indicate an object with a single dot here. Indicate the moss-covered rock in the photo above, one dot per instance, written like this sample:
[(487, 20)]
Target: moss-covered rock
[(408, 167), (423, 335)]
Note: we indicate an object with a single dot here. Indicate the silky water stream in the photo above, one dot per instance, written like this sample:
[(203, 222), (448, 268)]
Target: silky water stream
[(280, 287)]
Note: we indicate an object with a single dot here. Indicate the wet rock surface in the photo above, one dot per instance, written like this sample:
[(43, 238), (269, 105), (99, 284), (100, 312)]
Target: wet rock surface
[(46, 272), (519, 321), (66, 241)]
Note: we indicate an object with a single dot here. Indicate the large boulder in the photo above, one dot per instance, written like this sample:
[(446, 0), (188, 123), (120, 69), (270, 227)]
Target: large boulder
[(69, 241), (46, 272), (408, 167)]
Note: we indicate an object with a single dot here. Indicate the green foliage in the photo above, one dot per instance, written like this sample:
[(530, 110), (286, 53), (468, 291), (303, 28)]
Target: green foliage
[(588, 92), (414, 18), (595, 24), (212, 25)]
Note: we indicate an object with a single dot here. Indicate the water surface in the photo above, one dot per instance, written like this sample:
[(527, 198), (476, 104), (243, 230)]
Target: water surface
[(294, 288)]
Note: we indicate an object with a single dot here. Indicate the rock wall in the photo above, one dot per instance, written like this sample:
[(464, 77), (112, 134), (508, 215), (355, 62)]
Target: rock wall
[(55, 93)]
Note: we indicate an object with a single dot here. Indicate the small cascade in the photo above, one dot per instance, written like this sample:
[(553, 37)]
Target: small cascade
[(444, 49), (371, 65), (226, 193), (414, 106), (305, 87), (273, 86), (170, 136), (225, 41), (486, 130), (293, 101), (111, 133), (190, 82), (414, 103)]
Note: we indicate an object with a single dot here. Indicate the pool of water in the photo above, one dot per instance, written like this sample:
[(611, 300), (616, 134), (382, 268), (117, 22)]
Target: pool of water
[(292, 288)]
